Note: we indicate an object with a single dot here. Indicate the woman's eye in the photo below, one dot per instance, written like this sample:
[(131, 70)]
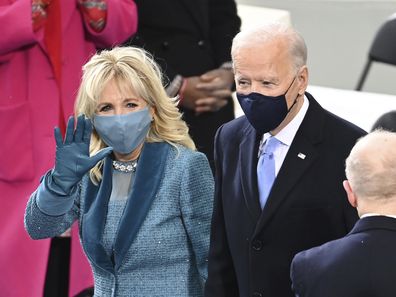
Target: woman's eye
[(131, 105), (105, 108)]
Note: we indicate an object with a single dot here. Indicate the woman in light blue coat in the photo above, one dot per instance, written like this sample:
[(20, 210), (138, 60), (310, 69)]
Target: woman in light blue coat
[(129, 173)]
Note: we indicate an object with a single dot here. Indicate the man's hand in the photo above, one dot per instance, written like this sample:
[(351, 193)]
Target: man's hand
[(208, 92), (216, 81), (191, 93)]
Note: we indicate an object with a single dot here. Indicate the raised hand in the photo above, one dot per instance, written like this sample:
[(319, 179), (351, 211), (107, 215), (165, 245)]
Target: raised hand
[(72, 155)]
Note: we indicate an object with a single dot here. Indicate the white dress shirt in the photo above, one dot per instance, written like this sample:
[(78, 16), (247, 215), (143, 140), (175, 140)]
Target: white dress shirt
[(285, 136)]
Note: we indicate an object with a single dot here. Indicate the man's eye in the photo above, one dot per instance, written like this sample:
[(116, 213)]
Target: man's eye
[(242, 83)]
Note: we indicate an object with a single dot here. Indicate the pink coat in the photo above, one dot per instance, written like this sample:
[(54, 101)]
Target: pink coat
[(29, 110)]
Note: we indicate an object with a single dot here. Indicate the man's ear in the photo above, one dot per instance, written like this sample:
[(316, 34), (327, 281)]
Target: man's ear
[(351, 195), (303, 79)]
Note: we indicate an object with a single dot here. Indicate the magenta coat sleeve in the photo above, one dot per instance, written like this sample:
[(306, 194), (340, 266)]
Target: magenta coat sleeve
[(31, 102), (17, 30), (121, 23), (15, 17)]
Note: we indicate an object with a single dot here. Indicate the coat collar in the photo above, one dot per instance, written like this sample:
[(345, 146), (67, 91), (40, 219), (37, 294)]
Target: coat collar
[(149, 174), (374, 222), (68, 9)]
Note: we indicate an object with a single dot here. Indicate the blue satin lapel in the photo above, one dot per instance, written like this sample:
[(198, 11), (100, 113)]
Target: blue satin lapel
[(149, 174), (94, 218)]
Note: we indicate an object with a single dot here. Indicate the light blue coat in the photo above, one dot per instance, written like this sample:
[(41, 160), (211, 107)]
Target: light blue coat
[(162, 240)]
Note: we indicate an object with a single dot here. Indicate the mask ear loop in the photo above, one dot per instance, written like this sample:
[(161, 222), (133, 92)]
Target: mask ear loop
[(295, 100), (290, 85)]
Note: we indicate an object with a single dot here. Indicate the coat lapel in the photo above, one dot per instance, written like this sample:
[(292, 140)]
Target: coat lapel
[(67, 10), (94, 218), (149, 174), (248, 150), (294, 166)]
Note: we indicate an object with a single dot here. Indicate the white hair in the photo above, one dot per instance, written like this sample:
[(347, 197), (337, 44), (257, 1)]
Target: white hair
[(271, 31)]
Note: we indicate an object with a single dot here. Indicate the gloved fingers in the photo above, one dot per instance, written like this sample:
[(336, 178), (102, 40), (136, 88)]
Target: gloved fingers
[(58, 137), (100, 155), (69, 130), (80, 127), (87, 131)]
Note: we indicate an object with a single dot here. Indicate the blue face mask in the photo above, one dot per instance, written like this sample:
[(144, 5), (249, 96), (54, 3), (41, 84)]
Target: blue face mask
[(123, 132), (265, 113)]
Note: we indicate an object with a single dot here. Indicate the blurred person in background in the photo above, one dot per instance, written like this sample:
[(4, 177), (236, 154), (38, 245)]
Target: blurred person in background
[(386, 121), (43, 45), (191, 40)]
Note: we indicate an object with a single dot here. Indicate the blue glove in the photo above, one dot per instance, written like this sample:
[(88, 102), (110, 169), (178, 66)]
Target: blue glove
[(72, 156)]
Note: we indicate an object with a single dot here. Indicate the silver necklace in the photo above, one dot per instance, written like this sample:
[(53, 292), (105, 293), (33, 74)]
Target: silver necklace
[(126, 167)]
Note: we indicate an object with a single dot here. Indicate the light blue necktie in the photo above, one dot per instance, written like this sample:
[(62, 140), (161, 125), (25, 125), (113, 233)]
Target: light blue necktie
[(266, 169)]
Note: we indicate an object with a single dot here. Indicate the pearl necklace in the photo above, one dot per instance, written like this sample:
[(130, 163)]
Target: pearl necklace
[(126, 167)]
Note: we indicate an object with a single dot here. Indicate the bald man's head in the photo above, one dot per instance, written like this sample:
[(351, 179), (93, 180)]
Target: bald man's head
[(371, 166)]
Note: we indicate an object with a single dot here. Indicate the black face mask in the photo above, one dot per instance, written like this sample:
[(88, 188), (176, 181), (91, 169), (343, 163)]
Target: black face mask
[(265, 113)]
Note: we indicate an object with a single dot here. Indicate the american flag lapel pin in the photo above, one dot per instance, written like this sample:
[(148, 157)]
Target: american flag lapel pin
[(301, 156)]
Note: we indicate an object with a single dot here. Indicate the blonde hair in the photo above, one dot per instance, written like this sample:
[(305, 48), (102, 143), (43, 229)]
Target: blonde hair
[(271, 31), (371, 166), (132, 69)]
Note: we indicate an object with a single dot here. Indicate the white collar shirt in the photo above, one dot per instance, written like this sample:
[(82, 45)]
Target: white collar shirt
[(285, 136), (376, 214)]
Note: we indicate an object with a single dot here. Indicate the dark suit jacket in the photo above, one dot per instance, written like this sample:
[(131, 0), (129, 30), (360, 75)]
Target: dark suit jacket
[(362, 264), (251, 250), (190, 37)]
